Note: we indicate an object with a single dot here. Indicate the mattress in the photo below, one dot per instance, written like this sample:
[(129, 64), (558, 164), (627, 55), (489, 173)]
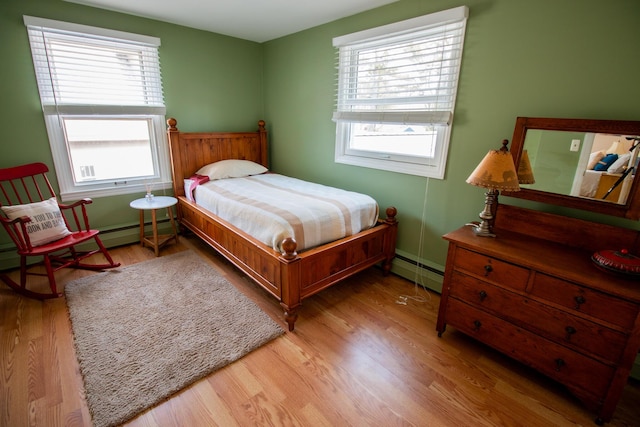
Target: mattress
[(272, 207)]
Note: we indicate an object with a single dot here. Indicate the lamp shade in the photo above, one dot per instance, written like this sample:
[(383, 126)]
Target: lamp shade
[(496, 171), (525, 173), (616, 148)]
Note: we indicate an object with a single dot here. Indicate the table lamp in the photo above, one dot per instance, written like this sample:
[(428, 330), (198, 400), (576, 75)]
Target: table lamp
[(525, 173), (616, 148), (495, 172)]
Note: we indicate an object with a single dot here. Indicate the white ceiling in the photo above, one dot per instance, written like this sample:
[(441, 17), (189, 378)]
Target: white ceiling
[(256, 20)]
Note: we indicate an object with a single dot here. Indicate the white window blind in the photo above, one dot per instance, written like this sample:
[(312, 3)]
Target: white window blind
[(77, 65), (400, 74), (103, 104), (409, 76)]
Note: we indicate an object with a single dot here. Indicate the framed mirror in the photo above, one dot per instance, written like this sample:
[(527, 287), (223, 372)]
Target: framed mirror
[(581, 164)]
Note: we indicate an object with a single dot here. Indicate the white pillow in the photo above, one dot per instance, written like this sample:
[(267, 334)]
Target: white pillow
[(47, 224), (594, 158), (231, 169), (618, 165)]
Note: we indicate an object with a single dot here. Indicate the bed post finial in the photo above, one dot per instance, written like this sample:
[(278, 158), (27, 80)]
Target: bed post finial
[(289, 246), (172, 124), (391, 215), (261, 125)]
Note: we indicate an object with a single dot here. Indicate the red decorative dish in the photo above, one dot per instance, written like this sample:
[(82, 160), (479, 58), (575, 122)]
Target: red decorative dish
[(618, 261)]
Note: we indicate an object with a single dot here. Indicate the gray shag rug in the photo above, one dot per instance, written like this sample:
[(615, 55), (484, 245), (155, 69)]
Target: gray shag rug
[(146, 331)]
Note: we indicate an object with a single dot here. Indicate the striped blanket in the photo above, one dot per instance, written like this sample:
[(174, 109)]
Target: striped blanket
[(271, 207)]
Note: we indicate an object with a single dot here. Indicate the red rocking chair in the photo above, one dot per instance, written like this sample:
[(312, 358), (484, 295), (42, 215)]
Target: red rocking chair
[(40, 226)]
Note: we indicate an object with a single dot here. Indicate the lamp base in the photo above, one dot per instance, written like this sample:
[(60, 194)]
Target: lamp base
[(481, 229), (485, 228)]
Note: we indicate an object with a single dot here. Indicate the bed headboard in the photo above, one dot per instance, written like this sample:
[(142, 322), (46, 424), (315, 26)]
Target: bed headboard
[(190, 150)]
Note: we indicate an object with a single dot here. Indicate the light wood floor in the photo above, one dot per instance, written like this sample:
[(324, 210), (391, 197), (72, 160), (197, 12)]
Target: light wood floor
[(356, 358)]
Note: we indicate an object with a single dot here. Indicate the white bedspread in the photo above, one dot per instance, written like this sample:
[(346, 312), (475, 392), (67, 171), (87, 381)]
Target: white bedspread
[(590, 183), (271, 207)]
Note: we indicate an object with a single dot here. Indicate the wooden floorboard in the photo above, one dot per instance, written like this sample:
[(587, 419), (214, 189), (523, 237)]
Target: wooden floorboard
[(360, 355)]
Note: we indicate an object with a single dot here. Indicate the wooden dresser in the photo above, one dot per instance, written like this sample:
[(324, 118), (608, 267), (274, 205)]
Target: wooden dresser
[(534, 294)]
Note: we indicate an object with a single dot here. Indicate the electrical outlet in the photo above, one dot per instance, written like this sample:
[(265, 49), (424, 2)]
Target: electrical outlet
[(575, 145)]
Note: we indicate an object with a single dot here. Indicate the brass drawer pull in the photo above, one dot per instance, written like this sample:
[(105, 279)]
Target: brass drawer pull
[(579, 301), (476, 325), (488, 269), (482, 295), (559, 364)]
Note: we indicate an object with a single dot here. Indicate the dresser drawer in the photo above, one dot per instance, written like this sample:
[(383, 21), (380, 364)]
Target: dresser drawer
[(558, 325), (491, 269), (606, 307), (558, 362)]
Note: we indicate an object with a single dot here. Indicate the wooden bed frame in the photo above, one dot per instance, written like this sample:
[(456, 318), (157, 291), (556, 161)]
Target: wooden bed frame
[(289, 276)]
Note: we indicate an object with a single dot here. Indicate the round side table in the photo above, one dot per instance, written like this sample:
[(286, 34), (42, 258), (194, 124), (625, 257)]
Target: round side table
[(158, 202)]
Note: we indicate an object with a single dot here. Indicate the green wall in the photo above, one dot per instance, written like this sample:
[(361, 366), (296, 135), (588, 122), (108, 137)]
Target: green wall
[(555, 165), (542, 58), (211, 82), (545, 58)]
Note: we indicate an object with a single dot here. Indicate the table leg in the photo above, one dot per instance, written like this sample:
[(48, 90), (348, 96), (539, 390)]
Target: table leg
[(141, 227), (154, 224)]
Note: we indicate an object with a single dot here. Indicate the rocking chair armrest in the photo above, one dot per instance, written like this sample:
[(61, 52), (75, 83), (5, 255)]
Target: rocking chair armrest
[(23, 219), (85, 201)]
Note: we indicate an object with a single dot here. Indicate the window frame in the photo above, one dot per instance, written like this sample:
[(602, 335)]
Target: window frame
[(347, 114), (54, 112)]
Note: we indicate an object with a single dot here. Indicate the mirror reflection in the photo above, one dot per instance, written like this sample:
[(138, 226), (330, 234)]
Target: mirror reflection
[(579, 163), (590, 165)]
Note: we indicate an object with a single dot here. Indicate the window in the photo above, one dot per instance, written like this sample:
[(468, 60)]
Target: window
[(396, 93), (101, 95)]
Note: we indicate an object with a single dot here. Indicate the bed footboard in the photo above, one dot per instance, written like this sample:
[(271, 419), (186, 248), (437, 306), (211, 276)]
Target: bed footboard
[(289, 276)]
